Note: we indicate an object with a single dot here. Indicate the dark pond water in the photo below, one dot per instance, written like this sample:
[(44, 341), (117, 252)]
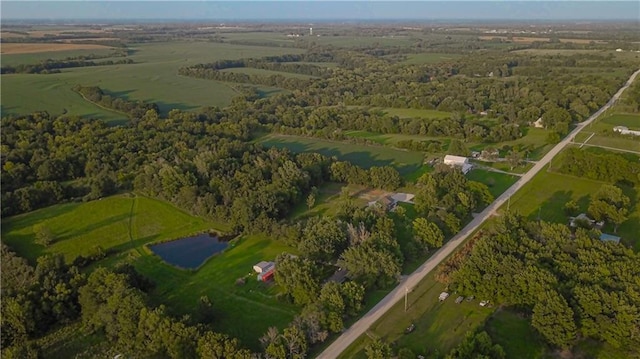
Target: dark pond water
[(189, 252)]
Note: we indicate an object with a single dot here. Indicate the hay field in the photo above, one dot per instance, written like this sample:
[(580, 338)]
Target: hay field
[(27, 48)]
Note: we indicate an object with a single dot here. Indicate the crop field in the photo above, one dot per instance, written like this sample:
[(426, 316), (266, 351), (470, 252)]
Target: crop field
[(430, 58), (254, 71), (25, 48), (36, 57), (51, 93), (546, 194), (248, 310), (623, 119), (362, 155), (153, 78), (440, 326)]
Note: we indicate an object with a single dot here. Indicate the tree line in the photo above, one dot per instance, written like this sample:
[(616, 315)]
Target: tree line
[(601, 166), (54, 66)]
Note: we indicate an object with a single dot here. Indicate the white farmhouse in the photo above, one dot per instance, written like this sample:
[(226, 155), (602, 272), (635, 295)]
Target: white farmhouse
[(458, 161), (625, 131)]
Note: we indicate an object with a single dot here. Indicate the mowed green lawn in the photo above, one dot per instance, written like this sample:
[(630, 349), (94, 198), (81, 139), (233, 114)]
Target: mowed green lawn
[(365, 156), (546, 194), (79, 227), (245, 311), (153, 78), (497, 182), (604, 136), (440, 326)]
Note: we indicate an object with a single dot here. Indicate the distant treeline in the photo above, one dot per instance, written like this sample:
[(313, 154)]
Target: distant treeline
[(284, 63), (134, 109), (608, 167), (53, 66)]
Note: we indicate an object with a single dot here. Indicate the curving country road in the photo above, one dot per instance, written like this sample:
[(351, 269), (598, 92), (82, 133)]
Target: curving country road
[(359, 327)]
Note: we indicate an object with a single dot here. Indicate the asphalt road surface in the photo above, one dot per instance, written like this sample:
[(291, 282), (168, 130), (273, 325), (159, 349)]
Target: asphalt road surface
[(411, 281)]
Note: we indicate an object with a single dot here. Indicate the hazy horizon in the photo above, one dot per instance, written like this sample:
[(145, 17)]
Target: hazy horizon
[(320, 10)]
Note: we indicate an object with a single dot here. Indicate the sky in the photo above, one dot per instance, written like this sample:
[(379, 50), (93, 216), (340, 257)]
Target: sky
[(321, 10)]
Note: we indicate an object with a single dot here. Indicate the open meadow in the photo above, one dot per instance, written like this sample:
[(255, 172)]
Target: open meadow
[(152, 78), (365, 156), (123, 224)]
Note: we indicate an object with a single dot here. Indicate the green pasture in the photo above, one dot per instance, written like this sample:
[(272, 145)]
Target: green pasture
[(547, 193), (244, 312), (262, 72), (362, 155), (37, 57), (153, 78), (606, 137), (118, 223), (497, 182), (430, 58), (393, 138), (631, 120), (414, 113), (440, 326)]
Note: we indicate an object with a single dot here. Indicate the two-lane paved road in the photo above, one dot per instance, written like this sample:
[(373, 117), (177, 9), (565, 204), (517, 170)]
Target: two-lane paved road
[(359, 327)]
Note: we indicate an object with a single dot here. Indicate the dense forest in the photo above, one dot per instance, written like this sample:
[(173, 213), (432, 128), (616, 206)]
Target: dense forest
[(572, 284)]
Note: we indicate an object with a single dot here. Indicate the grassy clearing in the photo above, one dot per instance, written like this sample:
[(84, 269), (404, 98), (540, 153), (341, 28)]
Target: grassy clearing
[(244, 312), (78, 227), (430, 58), (440, 326), (546, 194), (497, 182), (262, 72), (516, 336), (153, 78), (415, 113), (362, 155), (241, 311), (604, 135)]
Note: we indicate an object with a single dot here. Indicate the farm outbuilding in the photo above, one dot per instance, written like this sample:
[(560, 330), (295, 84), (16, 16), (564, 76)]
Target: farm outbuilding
[(263, 267), (459, 162)]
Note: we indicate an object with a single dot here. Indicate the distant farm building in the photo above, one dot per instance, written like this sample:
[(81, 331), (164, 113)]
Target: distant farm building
[(609, 238), (443, 296), (388, 203), (265, 270), (403, 197), (538, 123), (584, 219), (459, 162), (623, 130)]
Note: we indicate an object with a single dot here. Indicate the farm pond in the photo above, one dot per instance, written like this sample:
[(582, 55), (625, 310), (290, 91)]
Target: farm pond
[(189, 252)]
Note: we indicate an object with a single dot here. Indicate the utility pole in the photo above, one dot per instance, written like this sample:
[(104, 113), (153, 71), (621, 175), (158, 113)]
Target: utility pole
[(406, 292)]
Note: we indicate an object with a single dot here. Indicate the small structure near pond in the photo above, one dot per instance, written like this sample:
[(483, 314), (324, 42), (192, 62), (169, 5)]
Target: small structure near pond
[(265, 270)]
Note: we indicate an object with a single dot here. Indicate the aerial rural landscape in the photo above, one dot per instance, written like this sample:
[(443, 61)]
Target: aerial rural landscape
[(320, 180)]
